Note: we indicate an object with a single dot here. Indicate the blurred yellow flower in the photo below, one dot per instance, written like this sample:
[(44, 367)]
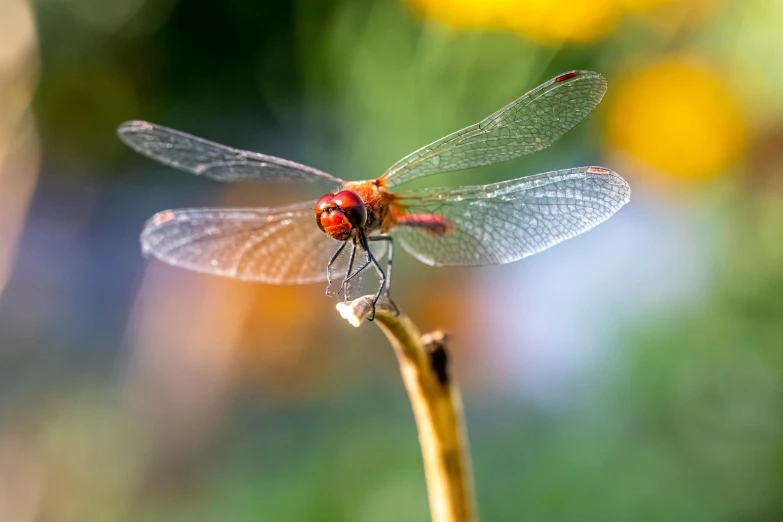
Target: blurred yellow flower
[(559, 20), (555, 21), (540, 20), (670, 16), (646, 5), (675, 6), (677, 115)]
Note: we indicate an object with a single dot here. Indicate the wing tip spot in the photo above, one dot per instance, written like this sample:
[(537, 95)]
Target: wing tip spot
[(136, 125), (163, 217), (566, 76), (598, 170)]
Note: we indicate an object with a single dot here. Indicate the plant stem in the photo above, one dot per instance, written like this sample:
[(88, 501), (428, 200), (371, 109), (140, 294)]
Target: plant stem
[(436, 404)]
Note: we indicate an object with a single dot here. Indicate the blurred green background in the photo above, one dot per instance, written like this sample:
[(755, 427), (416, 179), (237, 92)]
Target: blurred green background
[(632, 373)]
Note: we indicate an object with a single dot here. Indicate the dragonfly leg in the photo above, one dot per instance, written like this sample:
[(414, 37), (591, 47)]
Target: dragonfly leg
[(389, 262), (378, 269), (387, 286), (329, 268), (359, 270), (351, 259)]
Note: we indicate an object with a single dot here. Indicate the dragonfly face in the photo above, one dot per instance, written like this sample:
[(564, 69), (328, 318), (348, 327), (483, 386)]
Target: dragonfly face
[(465, 226), (340, 214)]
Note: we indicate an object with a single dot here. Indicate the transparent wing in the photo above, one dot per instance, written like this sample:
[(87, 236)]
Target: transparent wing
[(528, 124), (199, 156), (506, 221), (272, 245)]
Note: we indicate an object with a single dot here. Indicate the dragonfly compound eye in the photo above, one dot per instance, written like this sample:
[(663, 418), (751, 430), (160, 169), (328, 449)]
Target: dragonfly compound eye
[(338, 214), (350, 203), (324, 203), (334, 222)]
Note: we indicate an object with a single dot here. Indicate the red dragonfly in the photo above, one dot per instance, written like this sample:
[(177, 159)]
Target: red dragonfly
[(471, 225)]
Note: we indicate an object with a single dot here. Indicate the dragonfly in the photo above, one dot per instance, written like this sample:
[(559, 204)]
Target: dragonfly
[(319, 240)]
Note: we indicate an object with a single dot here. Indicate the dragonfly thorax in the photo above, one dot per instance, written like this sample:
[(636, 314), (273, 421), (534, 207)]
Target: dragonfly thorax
[(339, 214)]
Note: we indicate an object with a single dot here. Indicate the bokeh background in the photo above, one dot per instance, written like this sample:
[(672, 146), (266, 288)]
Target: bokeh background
[(632, 373)]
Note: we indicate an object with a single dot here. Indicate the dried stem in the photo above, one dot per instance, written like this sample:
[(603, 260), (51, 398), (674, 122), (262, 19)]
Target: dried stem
[(437, 407)]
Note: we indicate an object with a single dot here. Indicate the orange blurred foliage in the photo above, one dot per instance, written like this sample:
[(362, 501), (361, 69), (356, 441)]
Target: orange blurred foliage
[(19, 143)]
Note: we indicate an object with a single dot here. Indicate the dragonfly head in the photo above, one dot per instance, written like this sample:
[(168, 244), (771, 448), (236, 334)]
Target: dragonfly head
[(338, 214)]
